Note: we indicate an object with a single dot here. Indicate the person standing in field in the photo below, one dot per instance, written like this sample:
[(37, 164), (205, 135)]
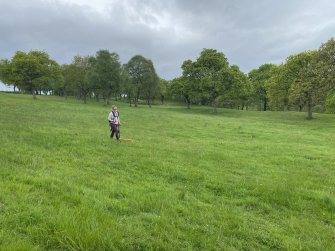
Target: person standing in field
[(114, 122)]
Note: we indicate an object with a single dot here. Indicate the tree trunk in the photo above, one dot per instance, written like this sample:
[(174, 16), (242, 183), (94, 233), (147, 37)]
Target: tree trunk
[(214, 107), (285, 108), (34, 94), (106, 99), (129, 98), (187, 100), (265, 105), (309, 107), (137, 96), (286, 103)]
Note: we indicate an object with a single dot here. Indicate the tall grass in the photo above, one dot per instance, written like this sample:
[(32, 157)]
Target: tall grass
[(237, 180)]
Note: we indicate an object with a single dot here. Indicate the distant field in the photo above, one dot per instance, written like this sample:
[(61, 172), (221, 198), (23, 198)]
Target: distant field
[(190, 180)]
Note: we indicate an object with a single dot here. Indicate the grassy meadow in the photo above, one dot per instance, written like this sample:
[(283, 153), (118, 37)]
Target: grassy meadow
[(190, 179)]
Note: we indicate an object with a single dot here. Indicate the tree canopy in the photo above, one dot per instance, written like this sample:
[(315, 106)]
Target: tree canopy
[(303, 82), (143, 78), (31, 71)]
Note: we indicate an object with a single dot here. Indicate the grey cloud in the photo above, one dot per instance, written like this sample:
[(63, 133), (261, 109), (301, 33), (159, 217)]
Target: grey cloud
[(250, 33)]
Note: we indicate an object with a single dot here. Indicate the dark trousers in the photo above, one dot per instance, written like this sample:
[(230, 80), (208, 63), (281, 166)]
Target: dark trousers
[(115, 130)]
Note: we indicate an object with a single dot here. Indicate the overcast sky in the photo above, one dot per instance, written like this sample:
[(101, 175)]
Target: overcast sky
[(248, 32)]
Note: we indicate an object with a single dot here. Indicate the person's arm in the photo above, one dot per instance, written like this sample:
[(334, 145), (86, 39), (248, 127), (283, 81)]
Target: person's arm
[(110, 117)]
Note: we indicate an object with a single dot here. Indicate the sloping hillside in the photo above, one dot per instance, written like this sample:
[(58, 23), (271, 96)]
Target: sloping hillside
[(237, 180)]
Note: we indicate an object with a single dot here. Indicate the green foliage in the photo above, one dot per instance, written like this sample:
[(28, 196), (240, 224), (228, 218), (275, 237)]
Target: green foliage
[(211, 70), (327, 65), (302, 82), (184, 88), (210, 81), (162, 89), (127, 87), (105, 74), (5, 72), (240, 181), (237, 91), (278, 86), (150, 85), (68, 87), (306, 88), (330, 104), (143, 77), (259, 77), (79, 75), (34, 71)]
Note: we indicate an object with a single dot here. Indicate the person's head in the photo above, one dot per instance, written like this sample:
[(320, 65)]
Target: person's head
[(114, 108)]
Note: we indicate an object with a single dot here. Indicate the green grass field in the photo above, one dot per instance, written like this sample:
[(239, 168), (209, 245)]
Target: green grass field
[(190, 180)]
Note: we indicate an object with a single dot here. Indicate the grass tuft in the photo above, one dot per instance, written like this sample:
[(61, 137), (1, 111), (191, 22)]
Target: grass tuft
[(189, 180)]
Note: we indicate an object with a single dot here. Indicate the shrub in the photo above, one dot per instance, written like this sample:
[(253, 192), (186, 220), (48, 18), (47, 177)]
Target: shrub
[(330, 103), (319, 109)]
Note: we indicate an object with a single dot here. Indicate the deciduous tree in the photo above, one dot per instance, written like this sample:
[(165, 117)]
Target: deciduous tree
[(34, 71), (307, 87), (79, 76), (105, 73), (143, 77), (258, 78)]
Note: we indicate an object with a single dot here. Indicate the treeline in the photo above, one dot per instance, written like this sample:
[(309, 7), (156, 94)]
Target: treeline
[(304, 82), (100, 76)]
